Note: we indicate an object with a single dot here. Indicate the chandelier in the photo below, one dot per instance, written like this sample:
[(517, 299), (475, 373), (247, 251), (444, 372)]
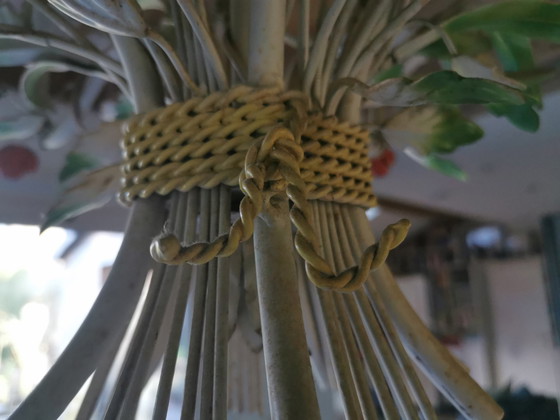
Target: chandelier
[(246, 168)]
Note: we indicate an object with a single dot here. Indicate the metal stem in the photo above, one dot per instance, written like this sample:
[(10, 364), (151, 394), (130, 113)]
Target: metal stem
[(290, 383)]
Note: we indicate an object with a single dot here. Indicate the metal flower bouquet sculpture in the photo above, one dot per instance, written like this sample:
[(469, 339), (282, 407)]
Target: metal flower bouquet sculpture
[(247, 172)]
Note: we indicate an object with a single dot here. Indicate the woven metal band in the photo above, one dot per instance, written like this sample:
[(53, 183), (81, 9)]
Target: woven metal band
[(203, 142)]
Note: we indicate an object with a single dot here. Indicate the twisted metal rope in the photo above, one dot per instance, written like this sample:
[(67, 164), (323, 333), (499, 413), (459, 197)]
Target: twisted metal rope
[(273, 166), (199, 143)]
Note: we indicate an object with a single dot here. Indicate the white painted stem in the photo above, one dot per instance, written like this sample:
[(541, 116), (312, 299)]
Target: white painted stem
[(106, 321), (337, 238), (374, 369), (290, 383), (208, 337), (349, 257), (341, 364), (436, 361), (351, 246), (199, 293), (129, 366), (219, 403), (172, 348)]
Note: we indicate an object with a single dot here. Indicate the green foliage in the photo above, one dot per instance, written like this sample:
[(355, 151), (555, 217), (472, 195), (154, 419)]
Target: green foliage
[(452, 131), (439, 88), (522, 116), (447, 87), (390, 73), (534, 19)]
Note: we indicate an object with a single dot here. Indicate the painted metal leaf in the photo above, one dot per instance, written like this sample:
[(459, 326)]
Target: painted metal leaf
[(34, 82), (95, 190), (447, 87), (75, 163), (442, 87), (92, 151), (63, 130), (523, 116), (466, 43), (466, 66), (515, 54), (438, 164), (431, 129), (535, 19), (102, 144), (390, 73), (21, 128)]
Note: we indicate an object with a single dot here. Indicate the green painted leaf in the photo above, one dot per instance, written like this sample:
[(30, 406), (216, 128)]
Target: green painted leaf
[(534, 19), (438, 164), (471, 43), (34, 86), (467, 66), (431, 129), (124, 109), (534, 77), (442, 88), (453, 131), (447, 87), (390, 73), (523, 116), (76, 163), (34, 82), (21, 128), (515, 52), (94, 191)]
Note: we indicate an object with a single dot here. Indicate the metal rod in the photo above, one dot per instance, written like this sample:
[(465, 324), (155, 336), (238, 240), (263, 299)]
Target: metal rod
[(172, 348), (356, 364), (350, 255), (219, 403), (340, 362), (436, 361), (350, 245), (195, 340), (290, 383), (207, 361)]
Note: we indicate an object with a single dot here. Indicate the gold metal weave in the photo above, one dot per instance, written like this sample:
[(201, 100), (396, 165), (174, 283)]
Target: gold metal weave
[(203, 141)]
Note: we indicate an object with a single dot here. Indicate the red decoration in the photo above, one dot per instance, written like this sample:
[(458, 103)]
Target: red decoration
[(381, 164), (17, 161)]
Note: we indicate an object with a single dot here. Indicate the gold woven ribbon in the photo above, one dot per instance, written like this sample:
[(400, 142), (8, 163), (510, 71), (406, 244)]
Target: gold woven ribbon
[(242, 137)]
